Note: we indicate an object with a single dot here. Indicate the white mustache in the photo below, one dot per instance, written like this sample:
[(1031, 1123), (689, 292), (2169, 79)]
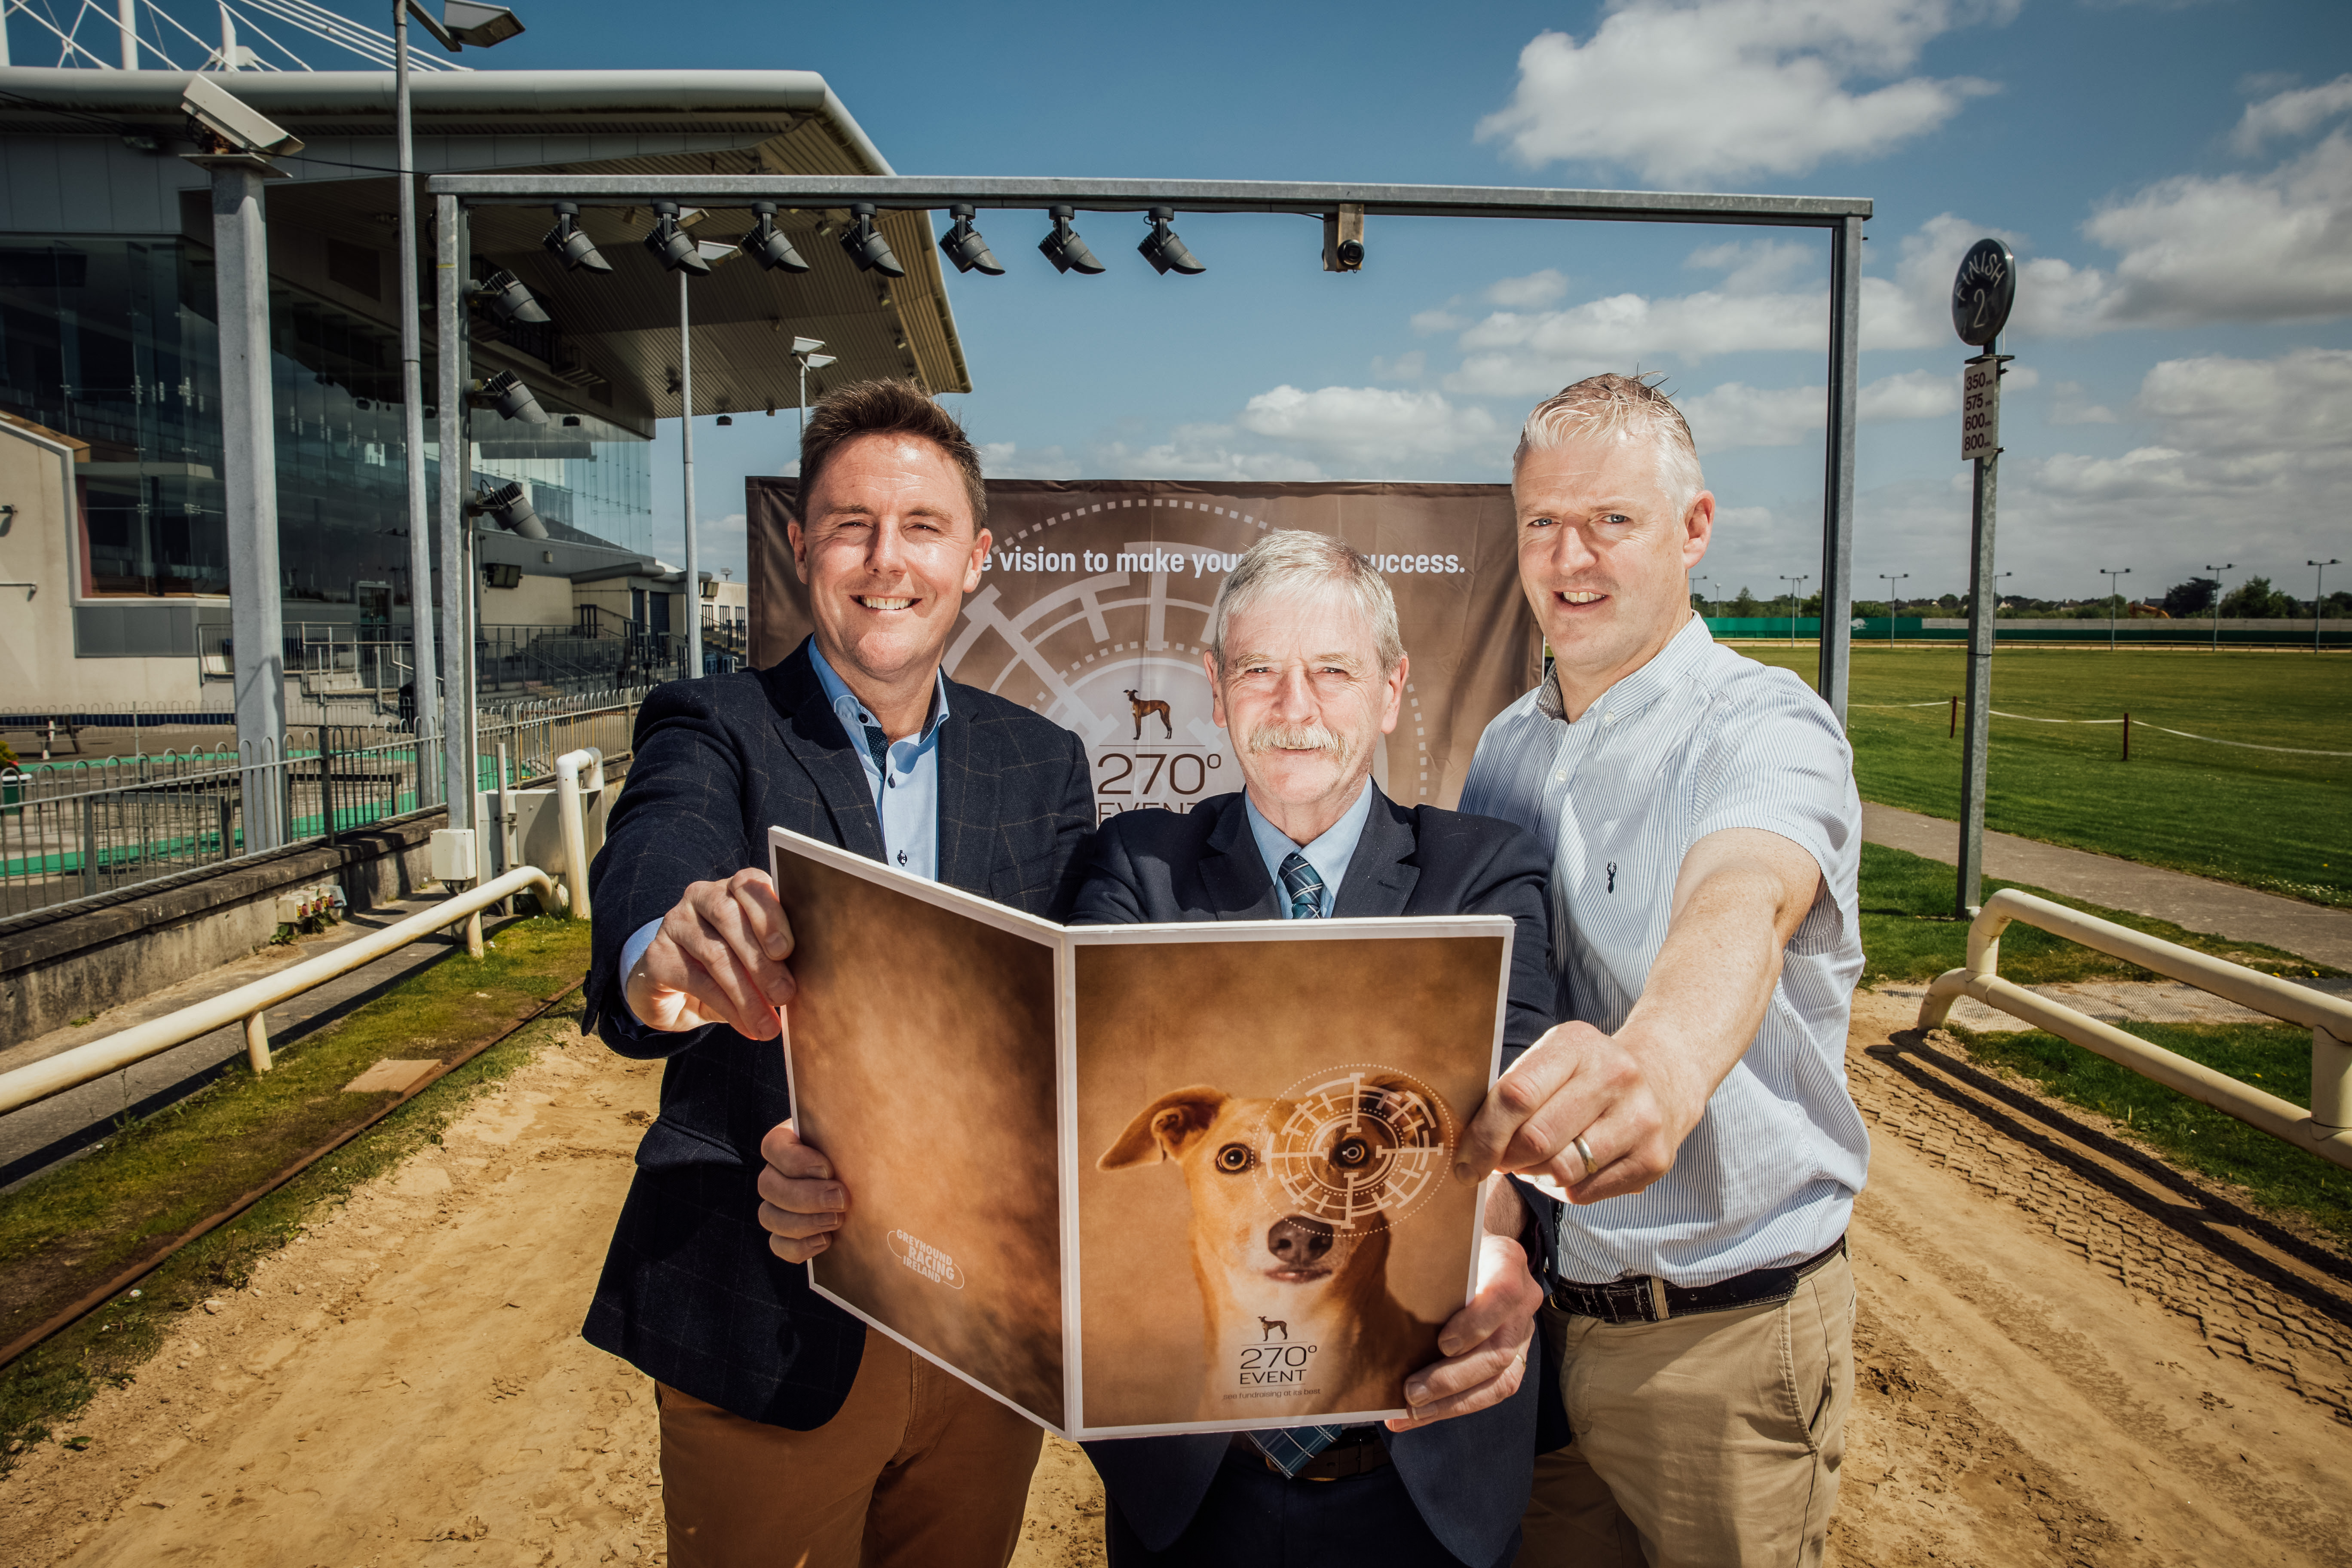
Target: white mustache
[(1284, 736)]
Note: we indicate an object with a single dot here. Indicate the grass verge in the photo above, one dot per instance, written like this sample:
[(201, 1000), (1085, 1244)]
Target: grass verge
[(2278, 820), (2277, 1175), (76, 1227), (1909, 933)]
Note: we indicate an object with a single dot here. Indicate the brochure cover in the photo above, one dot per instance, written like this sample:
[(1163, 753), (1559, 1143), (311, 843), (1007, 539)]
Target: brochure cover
[(1141, 1179)]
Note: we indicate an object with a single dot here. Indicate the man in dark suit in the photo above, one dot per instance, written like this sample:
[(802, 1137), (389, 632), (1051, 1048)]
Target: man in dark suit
[(790, 1433), (1308, 674)]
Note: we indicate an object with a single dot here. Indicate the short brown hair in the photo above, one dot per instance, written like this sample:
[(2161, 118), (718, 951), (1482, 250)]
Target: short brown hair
[(1614, 405), (888, 407)]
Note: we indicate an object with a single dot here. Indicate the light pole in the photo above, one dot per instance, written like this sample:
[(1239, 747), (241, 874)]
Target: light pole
[(804, 355), (1703, 598), (2217, 571), (482, 31), (1890, 579), (2113, 574), (2318, 577), (1796, 596)]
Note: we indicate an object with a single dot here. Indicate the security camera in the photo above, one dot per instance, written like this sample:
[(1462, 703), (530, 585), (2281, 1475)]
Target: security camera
[(229, 125)]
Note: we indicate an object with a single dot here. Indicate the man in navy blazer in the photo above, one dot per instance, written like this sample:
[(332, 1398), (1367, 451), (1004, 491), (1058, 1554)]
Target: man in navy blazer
[(790, 1433), (1308, 674)]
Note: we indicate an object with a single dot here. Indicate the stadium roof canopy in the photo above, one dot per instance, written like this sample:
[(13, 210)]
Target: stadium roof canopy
[(94, 152)]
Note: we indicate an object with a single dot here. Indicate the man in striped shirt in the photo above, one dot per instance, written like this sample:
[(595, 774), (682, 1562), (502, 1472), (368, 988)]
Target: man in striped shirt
[(1700, 814)]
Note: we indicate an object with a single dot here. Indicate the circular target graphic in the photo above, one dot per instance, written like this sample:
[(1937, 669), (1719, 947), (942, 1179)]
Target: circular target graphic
[(1359, 1148)]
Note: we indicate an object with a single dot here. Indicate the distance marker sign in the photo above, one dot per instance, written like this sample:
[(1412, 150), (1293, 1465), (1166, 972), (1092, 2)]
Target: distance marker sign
[(1981, 408), (1983, 292)]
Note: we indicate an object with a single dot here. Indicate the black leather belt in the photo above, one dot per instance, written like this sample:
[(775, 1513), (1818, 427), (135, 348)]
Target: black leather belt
[(1646, 1298), (1357, 1451)]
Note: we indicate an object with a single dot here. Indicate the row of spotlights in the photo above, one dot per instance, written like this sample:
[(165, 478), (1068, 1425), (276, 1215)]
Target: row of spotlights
[(862, 243)]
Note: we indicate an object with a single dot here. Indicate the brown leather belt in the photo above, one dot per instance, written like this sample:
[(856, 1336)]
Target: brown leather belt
[(1646, 1298), (1357, 1451)]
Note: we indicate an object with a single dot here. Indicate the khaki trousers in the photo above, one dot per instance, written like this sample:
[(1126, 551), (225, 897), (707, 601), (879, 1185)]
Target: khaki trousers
[(918, 1470), (1711, 1441)]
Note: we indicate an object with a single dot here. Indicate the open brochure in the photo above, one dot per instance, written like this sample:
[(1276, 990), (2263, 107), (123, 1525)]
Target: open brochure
[(1141, 1179)]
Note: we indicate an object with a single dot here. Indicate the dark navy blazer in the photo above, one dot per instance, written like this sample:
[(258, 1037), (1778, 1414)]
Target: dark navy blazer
[(690, 1293), (1469, 1477)]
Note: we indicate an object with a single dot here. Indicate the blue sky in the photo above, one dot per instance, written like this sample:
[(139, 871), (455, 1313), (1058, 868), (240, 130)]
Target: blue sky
[(2176, 178)]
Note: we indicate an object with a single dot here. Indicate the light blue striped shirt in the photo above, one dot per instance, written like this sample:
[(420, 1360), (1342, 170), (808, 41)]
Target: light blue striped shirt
[(1697, 741)]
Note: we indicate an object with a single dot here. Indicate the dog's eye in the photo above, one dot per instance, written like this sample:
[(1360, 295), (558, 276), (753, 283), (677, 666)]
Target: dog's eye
[(1350, 1152), (1233, 1157)]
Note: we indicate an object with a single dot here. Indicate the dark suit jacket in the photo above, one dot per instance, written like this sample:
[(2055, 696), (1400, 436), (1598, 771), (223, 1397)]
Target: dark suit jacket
[(1469, 1477), (690, 1293)]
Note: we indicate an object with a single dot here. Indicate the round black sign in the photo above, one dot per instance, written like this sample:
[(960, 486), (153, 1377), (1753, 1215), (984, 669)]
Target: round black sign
[(1983, 292)]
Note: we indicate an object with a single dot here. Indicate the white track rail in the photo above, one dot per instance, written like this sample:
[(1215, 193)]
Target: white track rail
[(2322, 1130)]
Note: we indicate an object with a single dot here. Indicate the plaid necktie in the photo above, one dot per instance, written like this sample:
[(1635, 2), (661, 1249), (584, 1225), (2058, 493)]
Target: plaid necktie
[(1305, 888), (1291, 1449)]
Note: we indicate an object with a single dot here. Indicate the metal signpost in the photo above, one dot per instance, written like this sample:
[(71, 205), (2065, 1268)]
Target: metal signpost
[(1981, 296)]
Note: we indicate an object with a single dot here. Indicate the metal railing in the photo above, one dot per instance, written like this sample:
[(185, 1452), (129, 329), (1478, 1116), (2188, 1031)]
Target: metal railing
[(2321, 1129), (98, 826)]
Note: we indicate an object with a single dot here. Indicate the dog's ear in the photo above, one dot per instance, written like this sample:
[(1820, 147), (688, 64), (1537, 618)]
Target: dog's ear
[(1162, 1129)]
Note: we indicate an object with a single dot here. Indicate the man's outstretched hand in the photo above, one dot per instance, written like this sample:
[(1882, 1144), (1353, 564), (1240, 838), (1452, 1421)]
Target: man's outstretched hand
[(1487, 1343), (718, 959)]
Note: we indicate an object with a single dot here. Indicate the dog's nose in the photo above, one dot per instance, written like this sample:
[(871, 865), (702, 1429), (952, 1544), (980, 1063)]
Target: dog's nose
[(1298, 1241)]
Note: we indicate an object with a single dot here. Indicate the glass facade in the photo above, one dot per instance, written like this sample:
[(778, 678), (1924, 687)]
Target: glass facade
[(113, 340)]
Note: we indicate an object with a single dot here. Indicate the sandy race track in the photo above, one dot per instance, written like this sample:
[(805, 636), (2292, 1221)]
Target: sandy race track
[(2068, 1355)]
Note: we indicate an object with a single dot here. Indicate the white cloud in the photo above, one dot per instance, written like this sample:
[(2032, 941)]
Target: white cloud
[(2266, 247), (1694, 90), (1439, 321), (1369, 432), (1737, 414), (2075, 406), (1535, 289), (1410, 366), (2291, 115), (1007, 461)]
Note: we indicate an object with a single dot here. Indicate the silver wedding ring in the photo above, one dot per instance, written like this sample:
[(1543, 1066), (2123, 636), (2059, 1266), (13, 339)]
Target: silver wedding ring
[(1584, 1153)]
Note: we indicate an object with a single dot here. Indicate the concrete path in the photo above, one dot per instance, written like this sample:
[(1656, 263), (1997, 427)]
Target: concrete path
[(2195, 904), (41, 1135)]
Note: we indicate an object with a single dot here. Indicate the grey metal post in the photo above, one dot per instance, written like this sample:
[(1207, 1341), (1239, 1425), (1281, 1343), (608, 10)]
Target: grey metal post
[(693, 554), (249, 475), (1983, 588), (1837, 673), (425, 668), (457, 690)]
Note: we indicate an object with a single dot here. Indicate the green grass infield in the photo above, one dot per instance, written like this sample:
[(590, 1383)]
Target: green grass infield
[(2278, 820)]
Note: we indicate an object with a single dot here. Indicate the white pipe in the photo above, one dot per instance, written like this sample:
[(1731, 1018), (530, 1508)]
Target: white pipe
[(2282, 1118), (575, 829), (70, 1070)]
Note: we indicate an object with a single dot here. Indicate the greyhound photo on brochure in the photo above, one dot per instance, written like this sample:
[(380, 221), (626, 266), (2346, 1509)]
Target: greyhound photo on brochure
[(1143, 1179)]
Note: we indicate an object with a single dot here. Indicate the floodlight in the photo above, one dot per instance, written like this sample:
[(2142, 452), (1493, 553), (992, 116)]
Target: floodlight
[(768, 245), (1065, 249), (566, 240), (480, 25), (818, 362), (865, 244), (503, 295), (510, 507), (512, 399), (675, 246), (963, 246), (501, 574), (224, 124), (1165, 251), (1351, 255)]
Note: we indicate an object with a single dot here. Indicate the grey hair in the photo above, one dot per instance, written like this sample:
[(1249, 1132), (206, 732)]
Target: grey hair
[(1623, 407), (1290, 560)]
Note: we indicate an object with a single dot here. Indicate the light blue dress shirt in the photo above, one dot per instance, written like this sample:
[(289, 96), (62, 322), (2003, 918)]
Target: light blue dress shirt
[(904, 782), (1697, 740), (1329, 854)]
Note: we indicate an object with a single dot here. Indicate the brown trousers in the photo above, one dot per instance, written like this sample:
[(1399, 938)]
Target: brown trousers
[(1711, 1441), (918, 1470)]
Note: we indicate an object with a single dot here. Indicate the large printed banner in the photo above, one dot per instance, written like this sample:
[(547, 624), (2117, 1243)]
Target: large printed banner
[(1095, 609)]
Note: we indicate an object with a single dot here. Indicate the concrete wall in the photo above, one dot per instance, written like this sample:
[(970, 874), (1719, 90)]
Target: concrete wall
[(533, 602)]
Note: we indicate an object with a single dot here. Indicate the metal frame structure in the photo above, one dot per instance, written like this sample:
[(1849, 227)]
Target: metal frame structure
[(1842, 217)]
